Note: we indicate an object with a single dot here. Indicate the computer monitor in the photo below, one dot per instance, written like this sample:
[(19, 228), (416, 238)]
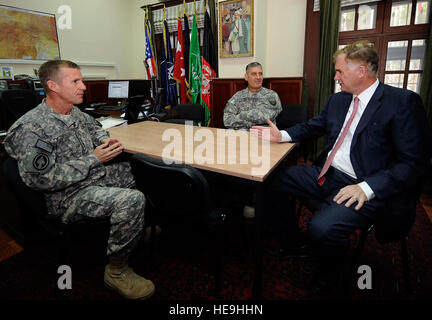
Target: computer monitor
[(118, 89), (38, 88), (140, 88)]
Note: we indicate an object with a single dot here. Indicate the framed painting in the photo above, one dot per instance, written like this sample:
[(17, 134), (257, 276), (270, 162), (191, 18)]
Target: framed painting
[(28, 34), (236, 28)]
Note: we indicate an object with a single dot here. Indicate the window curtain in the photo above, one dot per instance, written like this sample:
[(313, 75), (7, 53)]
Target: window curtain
[(328, 44), (426, 82), (172, 15)]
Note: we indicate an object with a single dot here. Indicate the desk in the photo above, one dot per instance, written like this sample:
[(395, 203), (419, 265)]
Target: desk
[(96, 113), (203, 147)]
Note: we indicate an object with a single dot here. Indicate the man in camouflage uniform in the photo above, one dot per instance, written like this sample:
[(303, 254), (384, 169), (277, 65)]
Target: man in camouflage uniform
[(253, 105), (250, 107), (65, 153)]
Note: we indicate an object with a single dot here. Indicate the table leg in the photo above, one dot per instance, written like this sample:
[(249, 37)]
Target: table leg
[(258, 241)]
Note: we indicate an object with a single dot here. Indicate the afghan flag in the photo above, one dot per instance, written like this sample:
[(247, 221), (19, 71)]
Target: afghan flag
[(208, 62), (209, 53), (179, 73), (207, 74), (195, 69), (150, 63)]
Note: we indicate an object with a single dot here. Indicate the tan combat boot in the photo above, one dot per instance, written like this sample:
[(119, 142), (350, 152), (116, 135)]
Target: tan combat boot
[(119, 277)]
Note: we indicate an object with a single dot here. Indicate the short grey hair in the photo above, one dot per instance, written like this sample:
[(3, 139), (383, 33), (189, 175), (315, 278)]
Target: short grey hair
[(361, 52), (253, 64), (50, 71)]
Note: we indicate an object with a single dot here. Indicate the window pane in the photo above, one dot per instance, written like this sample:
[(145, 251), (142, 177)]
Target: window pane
[(396, 55), (400, 13), (395, 80), (422, 12), (414, 80), (367, 17), (347, 17), (417, 54)]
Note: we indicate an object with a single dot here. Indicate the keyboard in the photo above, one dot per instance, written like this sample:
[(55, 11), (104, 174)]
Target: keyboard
[(111, 108)]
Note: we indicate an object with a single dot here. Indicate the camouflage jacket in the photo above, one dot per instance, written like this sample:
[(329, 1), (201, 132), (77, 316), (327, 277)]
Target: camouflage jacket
[(246, 109), (55, 152)]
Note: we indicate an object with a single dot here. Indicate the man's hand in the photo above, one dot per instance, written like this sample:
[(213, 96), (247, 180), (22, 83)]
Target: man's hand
[(110, 141), (272, 134), (352, 193), (110, 149)]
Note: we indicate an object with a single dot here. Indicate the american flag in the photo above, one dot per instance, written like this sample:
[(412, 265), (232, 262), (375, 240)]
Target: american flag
[(150, 64)]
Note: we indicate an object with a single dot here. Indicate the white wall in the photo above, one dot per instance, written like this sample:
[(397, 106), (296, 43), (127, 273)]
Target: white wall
[(286, 23), (107, 38)]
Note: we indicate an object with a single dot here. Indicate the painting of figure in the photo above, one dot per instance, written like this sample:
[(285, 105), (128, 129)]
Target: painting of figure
[(236, 28)]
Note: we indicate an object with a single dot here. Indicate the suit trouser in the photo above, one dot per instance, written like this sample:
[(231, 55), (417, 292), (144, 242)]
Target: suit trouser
[(332, 224), (113, 196)]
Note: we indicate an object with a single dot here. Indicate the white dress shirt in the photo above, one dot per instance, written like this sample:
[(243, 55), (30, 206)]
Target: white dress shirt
[(342, 160)]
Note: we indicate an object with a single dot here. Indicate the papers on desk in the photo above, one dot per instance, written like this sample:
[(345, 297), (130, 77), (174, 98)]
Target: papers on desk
[(140, 115), (109, 122)]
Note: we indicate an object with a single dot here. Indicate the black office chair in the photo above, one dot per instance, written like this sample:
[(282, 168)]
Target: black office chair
[(291, 115), (15, 103), (393, 224), (178, 195), (182, 113), (37, 224)]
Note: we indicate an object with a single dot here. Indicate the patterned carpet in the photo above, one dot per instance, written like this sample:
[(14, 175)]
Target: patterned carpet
[(181, 270)]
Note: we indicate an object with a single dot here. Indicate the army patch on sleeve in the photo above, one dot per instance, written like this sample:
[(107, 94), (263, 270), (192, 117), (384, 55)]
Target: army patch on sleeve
[(272, 100), (38, 161), (41, 161)]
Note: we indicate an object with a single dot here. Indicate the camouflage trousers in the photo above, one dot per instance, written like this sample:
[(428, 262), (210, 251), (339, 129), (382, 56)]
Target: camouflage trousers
[(113, 197)]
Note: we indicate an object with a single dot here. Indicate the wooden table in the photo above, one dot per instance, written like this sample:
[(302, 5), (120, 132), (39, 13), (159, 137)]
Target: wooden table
[(147, 138), (246, 158)]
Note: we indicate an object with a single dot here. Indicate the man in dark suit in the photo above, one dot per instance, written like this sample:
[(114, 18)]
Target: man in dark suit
[(376, 148)]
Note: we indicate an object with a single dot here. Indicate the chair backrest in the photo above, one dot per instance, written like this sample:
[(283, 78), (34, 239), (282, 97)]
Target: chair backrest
[(291, 114), (184, 112), (15, 103), (31, 203), (171, 188), (396, 219)]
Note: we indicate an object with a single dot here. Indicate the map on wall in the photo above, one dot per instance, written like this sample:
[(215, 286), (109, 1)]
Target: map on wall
[(27, 34)]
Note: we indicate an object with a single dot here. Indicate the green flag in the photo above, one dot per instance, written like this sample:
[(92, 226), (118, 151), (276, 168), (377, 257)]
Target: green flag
[(195, 71)]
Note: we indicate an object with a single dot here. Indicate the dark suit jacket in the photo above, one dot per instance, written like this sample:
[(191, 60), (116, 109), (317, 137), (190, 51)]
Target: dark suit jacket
[(391, 146)]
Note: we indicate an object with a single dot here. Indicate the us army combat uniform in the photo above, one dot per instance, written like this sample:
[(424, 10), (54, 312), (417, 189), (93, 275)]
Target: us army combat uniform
[(55, 155), (246, 109)]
